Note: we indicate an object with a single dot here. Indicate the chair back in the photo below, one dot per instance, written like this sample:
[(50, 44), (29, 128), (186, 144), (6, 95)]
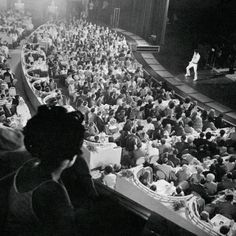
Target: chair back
[(149, 170), (160, 175), (140, 161), (154, 159)]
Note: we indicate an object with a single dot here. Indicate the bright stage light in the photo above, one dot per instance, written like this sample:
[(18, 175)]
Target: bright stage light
[(20, 6), (53, 9)]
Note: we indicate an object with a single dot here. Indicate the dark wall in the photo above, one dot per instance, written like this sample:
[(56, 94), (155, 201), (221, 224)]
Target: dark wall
[(142, 17), (206, 18)]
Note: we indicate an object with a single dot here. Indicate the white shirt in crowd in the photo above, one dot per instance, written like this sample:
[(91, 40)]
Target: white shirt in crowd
[(110, 180)]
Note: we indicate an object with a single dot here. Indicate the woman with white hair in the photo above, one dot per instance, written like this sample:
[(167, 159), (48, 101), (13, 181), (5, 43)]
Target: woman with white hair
[(22, 112), (197, 121), (211, 186), (112, 127), (198, 176)]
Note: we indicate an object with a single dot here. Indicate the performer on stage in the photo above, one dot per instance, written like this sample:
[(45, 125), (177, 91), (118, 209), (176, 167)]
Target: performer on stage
[(193, 64)]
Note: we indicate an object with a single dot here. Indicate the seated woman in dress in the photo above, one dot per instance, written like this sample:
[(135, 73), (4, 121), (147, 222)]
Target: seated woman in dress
[(38, 201), (132, 151), (92, 129), (112, 127), (109, 178)]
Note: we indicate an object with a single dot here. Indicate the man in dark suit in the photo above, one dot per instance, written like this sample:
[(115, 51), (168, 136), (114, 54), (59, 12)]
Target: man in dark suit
[(100, 123), (200, 141), (8, 77), (181, 145), (227, 208), (227, 183), (9, 111)]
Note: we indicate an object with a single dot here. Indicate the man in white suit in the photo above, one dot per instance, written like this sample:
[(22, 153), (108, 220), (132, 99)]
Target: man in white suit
[(193, 64)]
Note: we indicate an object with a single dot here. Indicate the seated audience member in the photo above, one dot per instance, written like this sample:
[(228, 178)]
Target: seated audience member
[(41, 205), (221, 136), (10, 139), (219, 123), (12, 151), (109, 179), (222, 148), (112, 126), (190, 159), (117, 168), (210, 170), (226, 208), (167, 170), (200, 189), (204, 215), (197, 121), (23, 112), (153, 188), (181, 145), (197, 177), (145, 179), (149, 127), (224, 230), (172, 156), (99, 122), (179, 129), (178, 192), (183, 174), (226, 183), (191, 145), (132, 151), (200, 141), (189, 128), (220, 169), (167, 131), (124, 133), (211, 186), (92, 129), (230, 164), (164, 145)]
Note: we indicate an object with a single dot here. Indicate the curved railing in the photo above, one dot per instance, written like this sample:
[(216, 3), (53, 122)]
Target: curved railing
[(190, 201), (30, 80), (193, 216), (156, 195)]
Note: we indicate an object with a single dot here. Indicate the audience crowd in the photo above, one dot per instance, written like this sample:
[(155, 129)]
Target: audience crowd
[(14, 26), (13, 110)]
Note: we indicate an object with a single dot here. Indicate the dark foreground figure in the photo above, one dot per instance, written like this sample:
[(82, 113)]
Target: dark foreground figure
[(53, 193)]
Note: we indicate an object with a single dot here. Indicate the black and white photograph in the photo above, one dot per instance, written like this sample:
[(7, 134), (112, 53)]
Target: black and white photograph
[(117, 117)]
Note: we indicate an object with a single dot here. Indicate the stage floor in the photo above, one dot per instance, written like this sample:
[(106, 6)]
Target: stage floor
[(214, 85)]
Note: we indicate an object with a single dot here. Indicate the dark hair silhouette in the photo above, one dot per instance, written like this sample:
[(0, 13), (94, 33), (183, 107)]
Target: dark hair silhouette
[(54, 135)]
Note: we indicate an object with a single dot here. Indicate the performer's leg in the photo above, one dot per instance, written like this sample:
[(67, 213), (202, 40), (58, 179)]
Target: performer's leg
[(195, 72), (188, 69)]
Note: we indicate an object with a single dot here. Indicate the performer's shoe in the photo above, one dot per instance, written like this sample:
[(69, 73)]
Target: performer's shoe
[(195, 79), (186, 75)]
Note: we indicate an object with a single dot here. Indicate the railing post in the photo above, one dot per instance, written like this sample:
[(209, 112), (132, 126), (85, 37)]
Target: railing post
[(164, 21)]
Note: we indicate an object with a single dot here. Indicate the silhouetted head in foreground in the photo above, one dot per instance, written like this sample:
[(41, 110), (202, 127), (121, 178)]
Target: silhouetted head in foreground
[(54, 135)]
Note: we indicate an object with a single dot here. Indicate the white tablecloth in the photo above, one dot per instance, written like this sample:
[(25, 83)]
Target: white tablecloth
[(102, 156)]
